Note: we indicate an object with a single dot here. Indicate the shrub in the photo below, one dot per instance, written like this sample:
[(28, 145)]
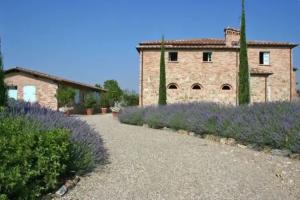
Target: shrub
[(90, 101), (273, 124), (81, 133), (32, 160), (104, 102), (130, 98), (65, 96), (132, 115)]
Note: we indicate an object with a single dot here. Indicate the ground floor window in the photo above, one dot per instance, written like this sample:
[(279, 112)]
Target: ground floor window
[(29, 93), (13, 92)]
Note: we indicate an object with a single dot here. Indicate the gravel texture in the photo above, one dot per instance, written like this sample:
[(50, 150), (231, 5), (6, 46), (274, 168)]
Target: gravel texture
[(161, 164)]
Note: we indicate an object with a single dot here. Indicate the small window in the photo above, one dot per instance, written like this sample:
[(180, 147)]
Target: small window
[(207, 56), (173, 56), (196, 86), (226, 87), (172, 86), (13, 92), (264, 58)]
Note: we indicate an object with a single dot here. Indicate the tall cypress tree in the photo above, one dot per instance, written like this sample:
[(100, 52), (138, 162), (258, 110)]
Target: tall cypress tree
[(162, 76), (3, 94), (244, 84)]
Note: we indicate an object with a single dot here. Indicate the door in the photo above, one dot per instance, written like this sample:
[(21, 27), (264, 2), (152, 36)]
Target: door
[(29, 93), (13, 92)]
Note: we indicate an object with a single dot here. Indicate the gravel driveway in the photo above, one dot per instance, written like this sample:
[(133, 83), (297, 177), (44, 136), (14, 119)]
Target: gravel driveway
[(156, 164)]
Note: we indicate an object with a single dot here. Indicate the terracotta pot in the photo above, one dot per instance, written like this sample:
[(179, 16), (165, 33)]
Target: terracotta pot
[(115, 115), (103, 110), (67, 113), (89, 111)]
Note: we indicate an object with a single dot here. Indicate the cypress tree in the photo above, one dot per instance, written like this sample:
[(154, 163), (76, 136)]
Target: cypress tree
[(162, 76), (244, 85), (3, 94)]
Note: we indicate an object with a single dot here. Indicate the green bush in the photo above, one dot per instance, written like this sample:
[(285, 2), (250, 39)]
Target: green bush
[(33, 161), (90, 101), (65, 96), (130, 98)]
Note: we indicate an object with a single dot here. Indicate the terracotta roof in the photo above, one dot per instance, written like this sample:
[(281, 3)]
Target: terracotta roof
[(53, 78), (259, 71), (208, 43)]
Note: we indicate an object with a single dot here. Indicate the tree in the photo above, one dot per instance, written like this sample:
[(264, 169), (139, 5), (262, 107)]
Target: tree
[(114, 92), (162, 100), (130, 98), (3, 89), (65, 96), (244, 83)]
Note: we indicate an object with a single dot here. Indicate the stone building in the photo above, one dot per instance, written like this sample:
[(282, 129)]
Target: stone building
[(207, 70), (36, 87)]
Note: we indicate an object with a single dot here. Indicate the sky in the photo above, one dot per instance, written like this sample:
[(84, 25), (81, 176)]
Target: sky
[(95, 40)]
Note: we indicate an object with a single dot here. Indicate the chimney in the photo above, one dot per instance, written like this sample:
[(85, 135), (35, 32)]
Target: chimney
[(232, 36)]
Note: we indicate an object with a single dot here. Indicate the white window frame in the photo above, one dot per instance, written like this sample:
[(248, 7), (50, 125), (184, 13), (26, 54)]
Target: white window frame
[(266, 58)]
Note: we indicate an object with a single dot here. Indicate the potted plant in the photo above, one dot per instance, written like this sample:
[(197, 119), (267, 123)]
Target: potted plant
[(89, 104), (115, 110), (104, 103), (65, 97)]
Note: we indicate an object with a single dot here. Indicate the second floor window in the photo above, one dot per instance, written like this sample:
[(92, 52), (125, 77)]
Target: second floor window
[(173, 56), (264, 58), (207, 56)]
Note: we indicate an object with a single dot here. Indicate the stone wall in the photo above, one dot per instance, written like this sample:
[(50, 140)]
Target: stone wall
[(258, 89), (279, 83), (45, 89), (189, 70)]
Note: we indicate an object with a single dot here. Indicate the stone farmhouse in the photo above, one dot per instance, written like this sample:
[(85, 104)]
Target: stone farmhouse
[(36, 87), (207, 70)]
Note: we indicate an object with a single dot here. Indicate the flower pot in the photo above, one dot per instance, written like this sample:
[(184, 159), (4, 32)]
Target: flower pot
[(67, 113), (103, 110), (89, 111), (115, 114)]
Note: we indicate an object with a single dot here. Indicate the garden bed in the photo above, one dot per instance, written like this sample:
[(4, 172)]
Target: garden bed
[(40, 149), (273, 124)]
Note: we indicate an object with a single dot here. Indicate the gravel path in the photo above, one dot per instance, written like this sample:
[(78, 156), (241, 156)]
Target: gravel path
[(156, 164)]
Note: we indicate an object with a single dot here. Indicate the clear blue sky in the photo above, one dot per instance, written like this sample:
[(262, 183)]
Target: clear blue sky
[(94, 40)]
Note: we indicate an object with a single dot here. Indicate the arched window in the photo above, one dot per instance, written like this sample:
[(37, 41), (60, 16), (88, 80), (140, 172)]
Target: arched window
[(172, 86), (196, 86), (226, 87)]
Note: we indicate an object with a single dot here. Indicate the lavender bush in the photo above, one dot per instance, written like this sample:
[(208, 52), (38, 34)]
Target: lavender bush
[(81, 133), (272, 124)]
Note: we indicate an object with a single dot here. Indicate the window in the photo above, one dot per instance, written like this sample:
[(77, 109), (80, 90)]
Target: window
[(172, 86), (173, 56), (77, 96), (264, 58), (13, 92), (29, 93), (207, 56), (196, 86), (226, 87)]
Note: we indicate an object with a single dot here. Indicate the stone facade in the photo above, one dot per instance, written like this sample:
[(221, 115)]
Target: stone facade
[(273, 82), (45, 89)]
